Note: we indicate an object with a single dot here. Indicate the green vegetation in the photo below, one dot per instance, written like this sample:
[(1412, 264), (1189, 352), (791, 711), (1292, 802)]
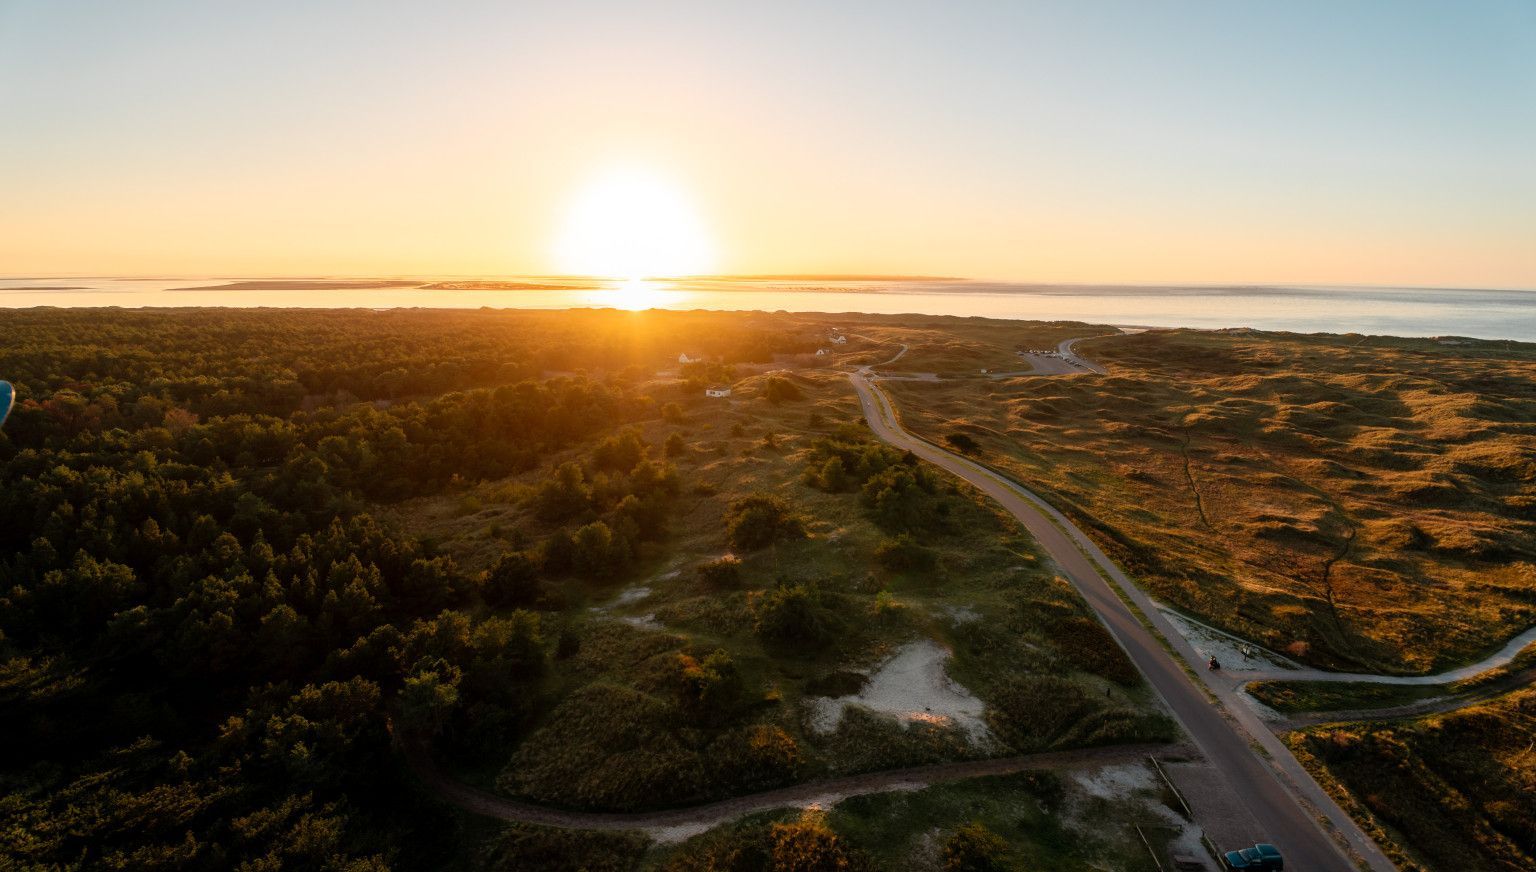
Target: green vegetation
[(247, 552), (1290, 697)]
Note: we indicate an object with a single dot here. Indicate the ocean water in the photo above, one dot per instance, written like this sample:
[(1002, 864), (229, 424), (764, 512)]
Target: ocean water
[(1483, 314)]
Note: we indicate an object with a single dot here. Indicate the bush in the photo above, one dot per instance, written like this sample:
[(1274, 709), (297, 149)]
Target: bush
[(974, 848), (962, 442), (722, 573), (675, 446), (809, 845), (711, 690), (760, 520), (790, 613)]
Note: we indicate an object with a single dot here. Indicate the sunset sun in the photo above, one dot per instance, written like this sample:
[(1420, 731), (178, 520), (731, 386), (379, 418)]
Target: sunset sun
[(632, 223)]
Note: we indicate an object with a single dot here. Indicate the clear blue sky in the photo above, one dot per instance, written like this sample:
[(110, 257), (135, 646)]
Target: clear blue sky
[(1366, 142)]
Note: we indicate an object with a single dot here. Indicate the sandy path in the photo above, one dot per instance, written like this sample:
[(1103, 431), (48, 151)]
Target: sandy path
[(680, 823)]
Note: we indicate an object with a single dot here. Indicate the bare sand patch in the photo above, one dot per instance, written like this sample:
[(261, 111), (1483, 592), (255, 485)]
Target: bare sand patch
[(912, 687)]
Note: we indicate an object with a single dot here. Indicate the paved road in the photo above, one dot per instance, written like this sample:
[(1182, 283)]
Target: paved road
[(1222, 727), (1066, 349), (1499, 658)]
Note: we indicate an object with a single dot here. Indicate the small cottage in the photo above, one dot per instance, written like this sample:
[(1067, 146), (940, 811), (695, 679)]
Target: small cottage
[(717, 391)]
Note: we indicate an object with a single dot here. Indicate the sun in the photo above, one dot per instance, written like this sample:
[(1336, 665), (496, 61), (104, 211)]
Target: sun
[(633, 223)]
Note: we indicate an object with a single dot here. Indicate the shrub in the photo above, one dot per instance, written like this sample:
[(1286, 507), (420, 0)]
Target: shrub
[(711, 690), (721, 573), (809, 845), (962, 442), (760, 520), (790, 613), (974, 848)]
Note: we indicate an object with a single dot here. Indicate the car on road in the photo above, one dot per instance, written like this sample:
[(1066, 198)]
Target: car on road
[(1262, 857)]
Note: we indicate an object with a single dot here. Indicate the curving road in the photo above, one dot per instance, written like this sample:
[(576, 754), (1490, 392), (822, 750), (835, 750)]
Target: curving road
[(1282, 797)]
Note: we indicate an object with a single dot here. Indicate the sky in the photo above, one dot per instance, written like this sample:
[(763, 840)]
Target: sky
[(1329, 142)]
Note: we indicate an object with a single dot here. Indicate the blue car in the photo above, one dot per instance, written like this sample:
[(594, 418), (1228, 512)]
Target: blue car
[(7, 396), (1259, 858)]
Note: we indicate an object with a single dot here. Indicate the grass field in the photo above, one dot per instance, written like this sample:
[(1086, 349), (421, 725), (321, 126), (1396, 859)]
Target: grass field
[(1356, 503)]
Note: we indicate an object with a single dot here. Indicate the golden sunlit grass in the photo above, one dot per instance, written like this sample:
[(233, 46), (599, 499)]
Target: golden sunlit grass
[(1364, 507)]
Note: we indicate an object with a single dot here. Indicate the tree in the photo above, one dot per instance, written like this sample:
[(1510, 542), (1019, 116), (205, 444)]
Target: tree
[(598, 553), (514, 580), (759, 520), (621, 452), (675, 446), (564, 495)]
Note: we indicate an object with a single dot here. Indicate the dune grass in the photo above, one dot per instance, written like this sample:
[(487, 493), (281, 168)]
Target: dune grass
[(1445, 792), (1354, 505)]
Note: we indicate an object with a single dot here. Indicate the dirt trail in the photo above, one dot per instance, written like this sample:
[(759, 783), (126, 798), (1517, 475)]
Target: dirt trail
[(679, 823)]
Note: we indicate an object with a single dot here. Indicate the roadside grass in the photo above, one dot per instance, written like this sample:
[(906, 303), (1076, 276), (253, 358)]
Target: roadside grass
[(1444, 792), (613, 730), (1290, 697), (1356, 508)]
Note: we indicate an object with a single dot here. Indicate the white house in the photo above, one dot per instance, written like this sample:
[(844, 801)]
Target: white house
[(839, 339), (717, 391), (684, 358), (821, 352)]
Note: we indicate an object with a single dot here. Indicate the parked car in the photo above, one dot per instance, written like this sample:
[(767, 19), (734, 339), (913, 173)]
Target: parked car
[(1259, 858)]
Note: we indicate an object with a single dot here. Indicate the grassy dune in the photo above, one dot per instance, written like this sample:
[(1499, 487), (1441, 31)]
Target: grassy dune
[(613, 733), (1356, 503), (1448, 792)]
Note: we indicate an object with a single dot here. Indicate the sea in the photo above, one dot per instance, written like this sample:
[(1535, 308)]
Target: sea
[(1394, 311)]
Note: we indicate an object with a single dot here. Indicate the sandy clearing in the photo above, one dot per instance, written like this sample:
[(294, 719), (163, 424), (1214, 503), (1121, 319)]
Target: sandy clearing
[(912, 687)]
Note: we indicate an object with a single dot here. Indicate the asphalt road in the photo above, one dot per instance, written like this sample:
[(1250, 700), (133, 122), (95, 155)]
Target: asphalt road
[(1276, 806)]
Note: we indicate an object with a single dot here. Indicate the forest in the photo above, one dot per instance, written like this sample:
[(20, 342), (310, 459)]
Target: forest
[(250, 555), (206, 627)]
